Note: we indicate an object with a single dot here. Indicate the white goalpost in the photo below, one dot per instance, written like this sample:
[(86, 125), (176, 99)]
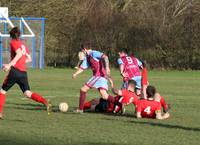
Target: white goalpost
[(5, 19), (32, 32)]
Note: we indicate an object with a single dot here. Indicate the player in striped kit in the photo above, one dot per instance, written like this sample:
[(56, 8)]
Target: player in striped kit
[(99, 64), (130, 69)]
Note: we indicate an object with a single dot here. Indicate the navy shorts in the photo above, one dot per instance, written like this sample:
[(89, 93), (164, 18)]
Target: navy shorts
[(16, 76)]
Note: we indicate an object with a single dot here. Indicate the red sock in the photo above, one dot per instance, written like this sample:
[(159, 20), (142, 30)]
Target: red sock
[(144, 76), (2, 101), (38, 98), (82, 99), (111, 99)]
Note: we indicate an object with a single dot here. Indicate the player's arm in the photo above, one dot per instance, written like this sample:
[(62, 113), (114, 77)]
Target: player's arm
[(138, 115), (106, 61), (140, 63), (28, 58), (80, 70), (121, 67), (84, 65), (160, 116), (114, 90), (6, 67)]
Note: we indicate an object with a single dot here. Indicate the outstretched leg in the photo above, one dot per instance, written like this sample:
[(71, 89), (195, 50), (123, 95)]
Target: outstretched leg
[(2, 102)]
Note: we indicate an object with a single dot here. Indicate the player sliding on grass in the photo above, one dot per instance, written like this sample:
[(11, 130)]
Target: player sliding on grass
[(150, 108), (130, 69), (127, 96), (157, 96), (99, 64), (17, 71)]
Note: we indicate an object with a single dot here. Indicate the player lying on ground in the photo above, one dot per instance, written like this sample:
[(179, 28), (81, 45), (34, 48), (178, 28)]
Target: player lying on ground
[(149, 108), (124, 97), (99, 64), (127, 96), (17, 71), (157, 96), (130, 69), (101, 105)]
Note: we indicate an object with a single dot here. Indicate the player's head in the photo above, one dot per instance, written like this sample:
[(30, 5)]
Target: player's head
[(131, 85), (151, 91), (85, 48), (123, 52), (15, 33)]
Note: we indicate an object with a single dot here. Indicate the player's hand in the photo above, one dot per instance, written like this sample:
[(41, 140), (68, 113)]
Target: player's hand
[(124, 75), (74, 76), (6, 67)]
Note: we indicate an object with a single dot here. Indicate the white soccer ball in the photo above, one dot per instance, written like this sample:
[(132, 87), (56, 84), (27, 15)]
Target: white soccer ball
[(63, 107)]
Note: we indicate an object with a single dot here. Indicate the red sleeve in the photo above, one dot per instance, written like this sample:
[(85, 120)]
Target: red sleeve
[(159, 107), (163, 103), (144, 76), (124, 93), (27, 51)]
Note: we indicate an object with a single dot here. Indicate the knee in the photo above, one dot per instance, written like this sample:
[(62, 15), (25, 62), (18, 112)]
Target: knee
[(28, 94), (2, 91), (104, 94), (84, 89)]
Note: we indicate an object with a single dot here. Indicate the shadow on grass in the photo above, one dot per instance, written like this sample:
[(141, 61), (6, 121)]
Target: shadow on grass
[(156, 124), (166, 125), (29, 106)]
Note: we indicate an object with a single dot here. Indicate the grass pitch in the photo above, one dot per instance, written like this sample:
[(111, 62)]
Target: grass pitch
[(27, 123)]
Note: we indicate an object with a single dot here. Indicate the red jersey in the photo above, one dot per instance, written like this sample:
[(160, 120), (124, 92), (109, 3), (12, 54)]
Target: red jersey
[(128, 97), (14, 46), (131, 67), (148, 108)]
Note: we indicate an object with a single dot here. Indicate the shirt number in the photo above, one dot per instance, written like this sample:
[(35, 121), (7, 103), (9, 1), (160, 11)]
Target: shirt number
[(129, 60), (147, 110)]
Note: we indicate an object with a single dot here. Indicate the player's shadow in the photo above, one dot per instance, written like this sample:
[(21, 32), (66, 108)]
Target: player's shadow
[(160, 124), (166, 125), (28, 106), (152, 123)]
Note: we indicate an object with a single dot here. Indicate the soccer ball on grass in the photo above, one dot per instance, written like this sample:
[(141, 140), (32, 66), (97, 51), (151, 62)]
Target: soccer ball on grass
[(63, 107)]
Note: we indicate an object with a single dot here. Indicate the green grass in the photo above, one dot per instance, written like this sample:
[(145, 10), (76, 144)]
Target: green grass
[(26, 123)]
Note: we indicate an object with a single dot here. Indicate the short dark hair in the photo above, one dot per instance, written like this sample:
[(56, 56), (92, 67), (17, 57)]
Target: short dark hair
[(151, 91), (85, 45), (15, 33), (125, 50), (132, 82)]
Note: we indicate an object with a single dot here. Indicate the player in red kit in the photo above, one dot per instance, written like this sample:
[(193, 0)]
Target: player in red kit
[(130, 69), (127, 96), (17, 71), (157, 96), (150, 108)]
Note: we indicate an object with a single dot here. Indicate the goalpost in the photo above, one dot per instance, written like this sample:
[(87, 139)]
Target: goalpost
[(32, 32)]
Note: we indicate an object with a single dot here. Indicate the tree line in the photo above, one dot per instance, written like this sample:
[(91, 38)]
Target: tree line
[(165, 33)]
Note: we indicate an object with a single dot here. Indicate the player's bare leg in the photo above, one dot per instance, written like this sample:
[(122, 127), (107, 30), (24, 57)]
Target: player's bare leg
[(38, 98), (2, 102)]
